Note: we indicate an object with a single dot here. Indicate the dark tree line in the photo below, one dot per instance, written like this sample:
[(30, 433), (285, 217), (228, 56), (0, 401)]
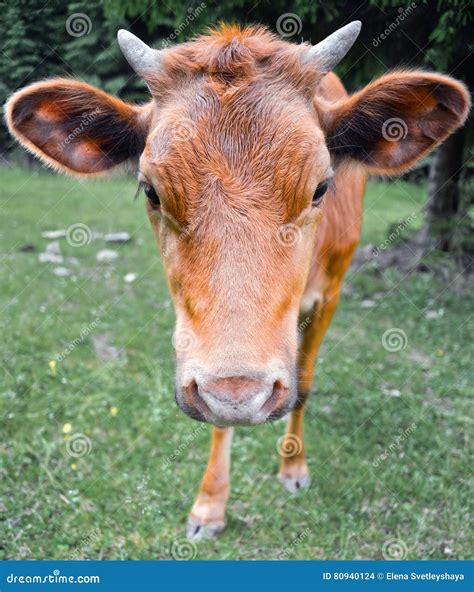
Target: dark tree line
[(435, 34)]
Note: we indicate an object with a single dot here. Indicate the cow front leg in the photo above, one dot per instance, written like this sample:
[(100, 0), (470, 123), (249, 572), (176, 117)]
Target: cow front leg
[(207, 517), (294, 473)]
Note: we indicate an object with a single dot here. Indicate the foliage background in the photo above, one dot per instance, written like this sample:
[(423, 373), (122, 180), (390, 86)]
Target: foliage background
[(36, 44)]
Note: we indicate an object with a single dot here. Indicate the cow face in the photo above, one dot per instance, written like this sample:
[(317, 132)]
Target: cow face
[(233, 206), (236, 151)]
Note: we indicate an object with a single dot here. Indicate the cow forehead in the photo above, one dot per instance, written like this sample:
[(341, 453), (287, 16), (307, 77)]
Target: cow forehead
[(237, 127), (268, 169), (255, 130)]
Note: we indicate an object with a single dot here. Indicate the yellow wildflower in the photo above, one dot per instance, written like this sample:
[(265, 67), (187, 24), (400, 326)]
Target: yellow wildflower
[(52, 367)]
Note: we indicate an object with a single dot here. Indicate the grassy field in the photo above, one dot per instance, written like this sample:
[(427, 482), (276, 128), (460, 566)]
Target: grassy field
[(386, 431)]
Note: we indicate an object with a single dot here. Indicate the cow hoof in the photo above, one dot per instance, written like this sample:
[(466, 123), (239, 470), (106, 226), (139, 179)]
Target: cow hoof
[(195, 530), (295, 484)]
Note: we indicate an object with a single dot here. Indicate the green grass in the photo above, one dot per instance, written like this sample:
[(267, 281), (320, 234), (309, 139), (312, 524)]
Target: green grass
[(120, 501)]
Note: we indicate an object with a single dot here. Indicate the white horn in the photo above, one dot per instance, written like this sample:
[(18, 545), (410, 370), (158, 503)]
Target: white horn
[(143, 59), (329, 52)]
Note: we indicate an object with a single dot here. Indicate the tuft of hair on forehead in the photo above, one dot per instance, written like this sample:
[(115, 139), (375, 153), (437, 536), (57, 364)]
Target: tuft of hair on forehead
[(225, 32), (232, 54)]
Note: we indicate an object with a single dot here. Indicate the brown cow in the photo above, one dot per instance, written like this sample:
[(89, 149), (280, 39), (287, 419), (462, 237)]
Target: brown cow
[(244, 135)]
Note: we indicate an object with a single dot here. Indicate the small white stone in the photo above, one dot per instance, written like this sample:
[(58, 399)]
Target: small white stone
[(52, 234), (54, 248), (50, 258), (326, 409), (106, 256), (447, 551), (62, 271), (129, 277), (391, 392), (367, 303), (117, 237), (434, 314)]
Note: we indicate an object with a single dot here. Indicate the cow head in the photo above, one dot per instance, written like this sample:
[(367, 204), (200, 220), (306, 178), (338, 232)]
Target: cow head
[(236, 150)]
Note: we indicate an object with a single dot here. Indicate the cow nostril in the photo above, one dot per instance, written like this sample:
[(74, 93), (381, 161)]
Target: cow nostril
[(192, 389), (277, 398), (278, 389), (194, 399)]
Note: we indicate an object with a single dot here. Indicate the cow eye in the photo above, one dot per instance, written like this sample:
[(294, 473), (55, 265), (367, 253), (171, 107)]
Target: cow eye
[(151, 194), (319, 193)]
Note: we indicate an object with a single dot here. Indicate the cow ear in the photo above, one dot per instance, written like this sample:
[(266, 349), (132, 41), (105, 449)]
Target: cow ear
[(75, 127), (396, 120)]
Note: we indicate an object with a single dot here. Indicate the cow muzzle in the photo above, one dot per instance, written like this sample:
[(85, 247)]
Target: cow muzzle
[(236, 400)]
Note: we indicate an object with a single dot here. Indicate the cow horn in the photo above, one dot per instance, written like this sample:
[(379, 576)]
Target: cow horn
[(329, 52), (143, 59)]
